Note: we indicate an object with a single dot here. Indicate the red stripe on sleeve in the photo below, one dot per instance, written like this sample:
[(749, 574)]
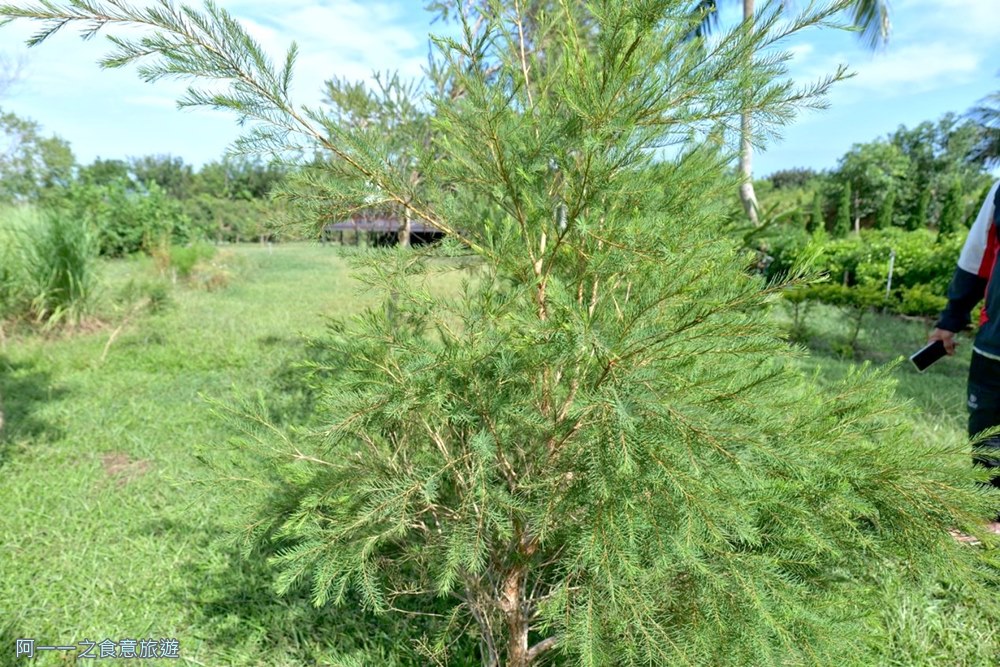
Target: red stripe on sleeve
[(986, 267)]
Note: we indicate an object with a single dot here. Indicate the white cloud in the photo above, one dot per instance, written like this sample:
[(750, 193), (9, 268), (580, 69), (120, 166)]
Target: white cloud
[(958, 19), (348, 39), (915, 69), (934, 46), (112, 112), (801, 51)]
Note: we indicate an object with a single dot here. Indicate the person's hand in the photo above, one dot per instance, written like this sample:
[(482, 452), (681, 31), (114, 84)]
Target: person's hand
[(946, 337)]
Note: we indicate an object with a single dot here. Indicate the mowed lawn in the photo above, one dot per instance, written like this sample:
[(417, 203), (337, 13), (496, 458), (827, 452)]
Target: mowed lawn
[(105, 535)]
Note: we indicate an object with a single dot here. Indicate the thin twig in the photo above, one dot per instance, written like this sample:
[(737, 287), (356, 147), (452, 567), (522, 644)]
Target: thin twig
[(524, 58), (114, 334)]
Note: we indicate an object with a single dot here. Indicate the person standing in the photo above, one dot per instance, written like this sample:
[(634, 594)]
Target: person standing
[(975, 278)]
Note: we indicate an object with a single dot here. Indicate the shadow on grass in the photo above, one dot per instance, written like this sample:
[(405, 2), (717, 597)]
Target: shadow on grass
[(241, 620), (295, 387), (9, 634), (23, 389), (938, 393)]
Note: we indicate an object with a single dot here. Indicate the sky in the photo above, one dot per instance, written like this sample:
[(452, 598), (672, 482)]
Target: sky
[(942, 56)]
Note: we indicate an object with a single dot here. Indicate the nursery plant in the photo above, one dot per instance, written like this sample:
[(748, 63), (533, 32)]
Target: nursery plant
[(602, 451)]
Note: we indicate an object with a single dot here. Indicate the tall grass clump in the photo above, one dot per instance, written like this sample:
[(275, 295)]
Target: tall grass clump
[(48, 273), (16, 224)]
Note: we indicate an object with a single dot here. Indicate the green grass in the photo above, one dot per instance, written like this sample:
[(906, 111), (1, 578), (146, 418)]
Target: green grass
[(105, 535), (939, 623)]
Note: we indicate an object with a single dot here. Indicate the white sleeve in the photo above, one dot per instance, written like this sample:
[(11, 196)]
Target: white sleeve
[(974, 250)]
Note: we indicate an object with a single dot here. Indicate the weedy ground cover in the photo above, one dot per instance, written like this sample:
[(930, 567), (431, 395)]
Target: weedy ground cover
[(104, 534)]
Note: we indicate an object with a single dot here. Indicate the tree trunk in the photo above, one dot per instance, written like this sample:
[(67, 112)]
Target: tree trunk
[(747, 195), (404, 231), (857, 213), (512, 603)]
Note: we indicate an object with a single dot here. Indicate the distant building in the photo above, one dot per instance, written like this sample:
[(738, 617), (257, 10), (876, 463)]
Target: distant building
[(382, 232)]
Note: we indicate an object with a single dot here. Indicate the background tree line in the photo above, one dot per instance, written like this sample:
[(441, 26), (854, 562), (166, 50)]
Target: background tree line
[(886, 225), (140, 201), (928, 176)]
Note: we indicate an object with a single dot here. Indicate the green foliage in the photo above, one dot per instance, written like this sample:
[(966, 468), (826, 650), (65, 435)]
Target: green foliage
[(816, 220), (919, 261), (857, 302), (31, 165), (921, 219), (938, 154), (952, 212), (798, 218), (16, 226), (48, 269), (184, 258), (167, 172), (105, 172), (155, 295), (238, 179), (94, 445), (785, 247), (858, 270), (588, 466), (228, 220), (138, 202), (872, 171), (914, 166), (921, 300), (55, 398), (791, 178), (798, 301), (62, 269), (886, 212), (127, 220), (842, 223)]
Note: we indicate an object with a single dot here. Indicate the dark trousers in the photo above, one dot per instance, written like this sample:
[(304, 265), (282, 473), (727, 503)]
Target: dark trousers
[(984, 409)]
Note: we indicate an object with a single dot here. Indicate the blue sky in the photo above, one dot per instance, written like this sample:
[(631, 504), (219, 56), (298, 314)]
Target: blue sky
[(943, 55)]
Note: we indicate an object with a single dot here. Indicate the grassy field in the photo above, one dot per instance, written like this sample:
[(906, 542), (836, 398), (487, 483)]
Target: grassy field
[(105, 536)]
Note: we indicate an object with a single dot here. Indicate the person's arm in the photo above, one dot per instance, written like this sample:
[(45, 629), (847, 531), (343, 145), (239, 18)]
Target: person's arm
[(968, 285)]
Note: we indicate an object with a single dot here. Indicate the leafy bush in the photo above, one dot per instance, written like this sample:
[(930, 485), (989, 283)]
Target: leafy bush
[(922, 268), (785, 249), (791, 178), (62, 269), (16, 226), (229, 220), (184, 258), (842, 223), (830, 293), (921, 301), (919, 259), (127, 220)]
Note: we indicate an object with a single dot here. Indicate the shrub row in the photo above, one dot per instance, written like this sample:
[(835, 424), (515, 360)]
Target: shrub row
[(858, 268), (128, 220)]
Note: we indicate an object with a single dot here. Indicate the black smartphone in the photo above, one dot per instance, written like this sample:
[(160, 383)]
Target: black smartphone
[(927, 355)]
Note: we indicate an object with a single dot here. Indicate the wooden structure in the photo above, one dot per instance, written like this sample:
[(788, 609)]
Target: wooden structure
[(382, 232)]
